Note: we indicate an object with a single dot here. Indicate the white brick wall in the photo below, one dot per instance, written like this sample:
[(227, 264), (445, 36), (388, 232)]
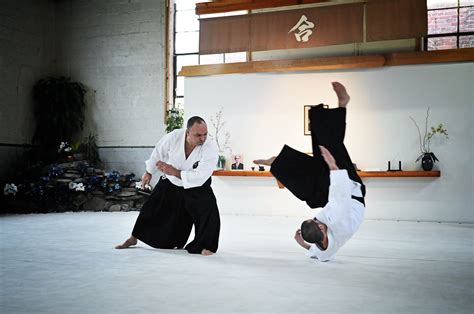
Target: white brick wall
[(26, 55), (116, 48)]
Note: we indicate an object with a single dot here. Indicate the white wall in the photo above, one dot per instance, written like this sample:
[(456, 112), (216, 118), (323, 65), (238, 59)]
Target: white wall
[(265, 111), (26, 55), (116, 48)]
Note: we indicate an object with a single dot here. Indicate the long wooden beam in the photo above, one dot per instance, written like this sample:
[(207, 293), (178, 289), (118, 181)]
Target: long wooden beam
[(435, 56), (239, 5), (333, 63), (365, 174), (313, 64)]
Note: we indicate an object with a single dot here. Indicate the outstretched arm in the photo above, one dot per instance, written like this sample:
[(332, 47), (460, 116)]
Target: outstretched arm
[(340, 187), (299, 239)]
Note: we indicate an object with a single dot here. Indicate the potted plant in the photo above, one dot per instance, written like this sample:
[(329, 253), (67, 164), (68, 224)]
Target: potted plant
[(222, 143), (90, 150), (427, 157), (174, 119), (59, 113)]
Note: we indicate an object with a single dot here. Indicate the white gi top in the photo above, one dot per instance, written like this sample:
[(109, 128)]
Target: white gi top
[(170, 149), (342, 214)]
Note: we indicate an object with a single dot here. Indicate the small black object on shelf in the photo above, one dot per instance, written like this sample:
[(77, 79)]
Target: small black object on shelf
[(399, 166), (261, 168)]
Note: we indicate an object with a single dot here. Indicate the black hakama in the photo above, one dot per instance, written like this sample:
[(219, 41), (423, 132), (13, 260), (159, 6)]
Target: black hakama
[(307, 177), (166, 219)]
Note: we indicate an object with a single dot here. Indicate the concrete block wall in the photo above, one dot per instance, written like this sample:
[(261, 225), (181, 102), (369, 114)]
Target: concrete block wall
[(26, 55), (9, 157), (116, 48)]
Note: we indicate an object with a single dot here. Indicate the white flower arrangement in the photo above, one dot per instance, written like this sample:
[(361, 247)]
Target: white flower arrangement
[(64, 147), (78, 187), (425, 140), (10, 189), (218, 124)]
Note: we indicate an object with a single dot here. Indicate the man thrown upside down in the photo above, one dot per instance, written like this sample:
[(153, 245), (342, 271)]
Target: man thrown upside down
[(327, 179)]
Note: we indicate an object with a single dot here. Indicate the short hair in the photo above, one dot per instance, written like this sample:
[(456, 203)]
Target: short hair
[(194, 120), (311, 232)]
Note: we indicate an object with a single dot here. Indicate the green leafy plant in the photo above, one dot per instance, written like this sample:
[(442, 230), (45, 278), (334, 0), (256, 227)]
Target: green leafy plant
[(90, 150), (425, 140), (174, 119), (76, 147), (59, 113)]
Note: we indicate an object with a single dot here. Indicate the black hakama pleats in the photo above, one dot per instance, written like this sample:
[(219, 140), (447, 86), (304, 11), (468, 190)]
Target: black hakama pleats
[(307, 177), (166, 219)]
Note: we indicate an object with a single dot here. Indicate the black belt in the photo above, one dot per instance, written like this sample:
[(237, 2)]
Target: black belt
[(358, 198)]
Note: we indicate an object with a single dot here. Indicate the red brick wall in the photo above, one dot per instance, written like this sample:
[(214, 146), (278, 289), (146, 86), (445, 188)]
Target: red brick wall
[(445, 21)]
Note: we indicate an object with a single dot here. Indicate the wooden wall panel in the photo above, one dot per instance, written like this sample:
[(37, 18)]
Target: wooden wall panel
[(227, 34), (396, 19), (333, 25), (330, 25)]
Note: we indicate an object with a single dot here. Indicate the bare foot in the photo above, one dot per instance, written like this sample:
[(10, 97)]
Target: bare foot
[(341, 93), (130, 241), (266, 162), (206, 252)]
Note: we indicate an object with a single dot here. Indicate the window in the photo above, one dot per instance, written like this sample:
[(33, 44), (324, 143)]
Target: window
[(186, 45), (450, 24)]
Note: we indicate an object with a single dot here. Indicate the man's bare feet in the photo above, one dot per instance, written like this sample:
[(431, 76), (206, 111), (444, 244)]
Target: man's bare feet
[(341, 93), (206, 252), (266, 162), (129, 242)]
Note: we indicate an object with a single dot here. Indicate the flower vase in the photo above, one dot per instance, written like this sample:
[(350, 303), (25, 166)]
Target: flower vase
[(427, 162), (221, 162)]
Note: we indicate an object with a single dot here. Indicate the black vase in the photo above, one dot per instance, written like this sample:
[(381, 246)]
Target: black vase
[(427, 162)]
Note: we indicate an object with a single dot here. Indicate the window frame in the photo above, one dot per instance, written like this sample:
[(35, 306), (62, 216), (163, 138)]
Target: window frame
[(173, 56), (456, 34)]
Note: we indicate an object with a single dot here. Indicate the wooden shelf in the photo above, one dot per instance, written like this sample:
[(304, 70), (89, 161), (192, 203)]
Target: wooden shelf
[(241, 173), (387, 174), (333, 63), (364, 174)]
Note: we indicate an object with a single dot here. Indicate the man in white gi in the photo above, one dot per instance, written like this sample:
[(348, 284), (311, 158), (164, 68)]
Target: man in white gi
[(328, 180), (184, 159)]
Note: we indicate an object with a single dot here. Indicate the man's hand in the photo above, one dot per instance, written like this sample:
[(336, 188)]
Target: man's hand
[(168, 169), (299, 239), (146, 178), (328, 158)]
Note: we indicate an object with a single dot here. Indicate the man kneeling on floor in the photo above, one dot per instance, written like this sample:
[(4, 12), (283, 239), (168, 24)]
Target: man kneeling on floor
[(184, 159)]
